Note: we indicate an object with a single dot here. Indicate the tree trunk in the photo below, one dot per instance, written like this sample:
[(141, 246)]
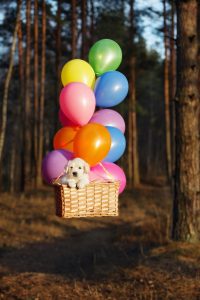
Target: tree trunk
[(172, 88), (91, 21), (42, 96), (150, 143), (199, 59), (27, 125), (199, 55), (166, 96), (73, 27), (186, 218), (58, 44), (7, 84), (133, 120), (12, 169), (133, 168), (58, 57), (6, 88), (20, 160), (130, 146), (172, 53), (84, 37), (36, 101)]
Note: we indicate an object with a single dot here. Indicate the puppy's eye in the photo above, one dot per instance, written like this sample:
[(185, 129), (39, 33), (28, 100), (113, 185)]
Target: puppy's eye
[(71, 167), (80, 168)]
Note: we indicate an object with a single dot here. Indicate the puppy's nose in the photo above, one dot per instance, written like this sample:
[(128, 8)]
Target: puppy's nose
[(75, 174)]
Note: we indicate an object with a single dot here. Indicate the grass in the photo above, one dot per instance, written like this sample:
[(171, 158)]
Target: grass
[(127, 257)]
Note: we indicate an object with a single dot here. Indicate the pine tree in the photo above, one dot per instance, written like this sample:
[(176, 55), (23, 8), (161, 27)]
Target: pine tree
[(7, 83), (36, 94), (186, 222), (133, 160), (42, 95), (166, 94)]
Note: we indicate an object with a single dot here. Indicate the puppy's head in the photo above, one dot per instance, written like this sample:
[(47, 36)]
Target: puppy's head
[(76, 168)]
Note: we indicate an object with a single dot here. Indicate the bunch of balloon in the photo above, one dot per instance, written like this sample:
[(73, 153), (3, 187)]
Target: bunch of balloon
[(97, 137)]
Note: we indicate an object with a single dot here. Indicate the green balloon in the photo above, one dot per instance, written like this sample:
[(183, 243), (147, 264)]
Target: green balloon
[(105, 55)]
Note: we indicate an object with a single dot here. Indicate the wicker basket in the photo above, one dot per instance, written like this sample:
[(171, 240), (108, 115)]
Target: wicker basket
[(97, 199)]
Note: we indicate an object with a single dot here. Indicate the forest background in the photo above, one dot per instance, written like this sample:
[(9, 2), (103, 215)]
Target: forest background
[(49, 34), (152, 250)]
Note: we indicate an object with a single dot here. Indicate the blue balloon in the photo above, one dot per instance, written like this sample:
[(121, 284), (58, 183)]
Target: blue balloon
[(110, 89), (118, 144)]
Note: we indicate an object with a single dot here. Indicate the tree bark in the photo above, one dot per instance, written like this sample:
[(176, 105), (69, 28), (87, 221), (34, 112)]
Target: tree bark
[(7, 84), (83, 13), (130, 146), (133, 168), (198, 24), (172, 88), (91, 21), (166, 96), (73, 27), (21, 106), (36, 100), (150, 143), (42, 96), (20, 55), (172, 53), (133, 121), (12, 168), (186, 217), (58, 58), (27, 125), (58, 43)]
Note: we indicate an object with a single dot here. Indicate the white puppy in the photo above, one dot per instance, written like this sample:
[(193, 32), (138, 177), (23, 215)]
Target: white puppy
[(76, 173)]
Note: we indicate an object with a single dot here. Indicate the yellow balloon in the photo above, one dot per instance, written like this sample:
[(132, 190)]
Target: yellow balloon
[(78, 70)]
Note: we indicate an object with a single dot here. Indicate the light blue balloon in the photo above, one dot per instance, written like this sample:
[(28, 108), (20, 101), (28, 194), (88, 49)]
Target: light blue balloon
[(118, 144), (110, 89)]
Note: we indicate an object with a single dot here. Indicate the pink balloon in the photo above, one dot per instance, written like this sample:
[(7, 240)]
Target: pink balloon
[(77, 101), (98, 173), (64, 120), (108, 117)]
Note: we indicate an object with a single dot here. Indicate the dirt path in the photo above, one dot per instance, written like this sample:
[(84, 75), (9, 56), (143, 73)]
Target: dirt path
[(129, 257)]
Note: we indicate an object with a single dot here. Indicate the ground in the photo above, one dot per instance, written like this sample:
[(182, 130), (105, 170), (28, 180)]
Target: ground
[(126, 257)]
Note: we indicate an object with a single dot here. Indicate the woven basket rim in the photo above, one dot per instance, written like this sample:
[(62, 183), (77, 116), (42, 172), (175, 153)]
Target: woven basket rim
[(95, 182)]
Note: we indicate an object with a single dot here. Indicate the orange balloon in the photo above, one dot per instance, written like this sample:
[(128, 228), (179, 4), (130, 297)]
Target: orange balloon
[(92, 143), (64, 138)]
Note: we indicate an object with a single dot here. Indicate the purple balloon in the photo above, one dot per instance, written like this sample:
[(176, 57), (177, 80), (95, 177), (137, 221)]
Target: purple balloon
[(53, 164), (108, 117)]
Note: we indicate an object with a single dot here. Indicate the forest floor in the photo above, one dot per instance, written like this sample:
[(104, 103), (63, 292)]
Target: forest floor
[(126, 257)]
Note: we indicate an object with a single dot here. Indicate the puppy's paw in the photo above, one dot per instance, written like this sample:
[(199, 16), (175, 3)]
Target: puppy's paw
[(63, 180), (81, 185), (71, 183)]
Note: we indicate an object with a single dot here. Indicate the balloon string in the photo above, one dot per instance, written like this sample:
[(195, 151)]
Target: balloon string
[(107, 172), (67, 143), (56, 180)]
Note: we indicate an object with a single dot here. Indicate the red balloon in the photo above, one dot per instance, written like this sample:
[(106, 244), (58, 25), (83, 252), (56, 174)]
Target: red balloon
[(64, 120)]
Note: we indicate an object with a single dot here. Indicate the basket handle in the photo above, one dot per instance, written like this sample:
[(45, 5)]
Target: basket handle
[(107, 172), (55, 181)]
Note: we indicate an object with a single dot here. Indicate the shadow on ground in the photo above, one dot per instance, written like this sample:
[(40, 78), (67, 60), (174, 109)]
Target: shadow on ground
[(121, 257)]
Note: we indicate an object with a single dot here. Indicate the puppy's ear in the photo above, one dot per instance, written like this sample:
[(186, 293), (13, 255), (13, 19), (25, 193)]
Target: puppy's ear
[(86, 168), (66, 168)]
